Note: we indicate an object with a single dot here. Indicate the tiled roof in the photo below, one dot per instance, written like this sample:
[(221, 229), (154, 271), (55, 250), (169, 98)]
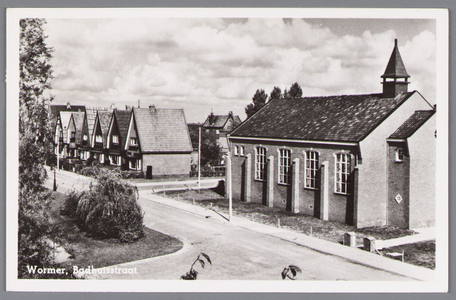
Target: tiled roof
[(412, 124), (123, 120), (347, 118), (219, 121), (55, 109), (104, 118), (65, 117), (164, 130), (78, 118), (91, 114)]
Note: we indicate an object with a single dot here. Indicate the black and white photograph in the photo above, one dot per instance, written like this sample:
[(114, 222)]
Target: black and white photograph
[(227, 150)]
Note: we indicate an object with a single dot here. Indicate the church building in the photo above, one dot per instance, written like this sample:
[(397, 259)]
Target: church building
[(363, 160)]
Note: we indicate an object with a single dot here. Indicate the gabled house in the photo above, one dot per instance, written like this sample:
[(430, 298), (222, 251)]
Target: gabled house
[(87, 131), (117, 135), (364, 160), (75, 133), (219, 126), (100, 135), (62, 133), (158, 142)]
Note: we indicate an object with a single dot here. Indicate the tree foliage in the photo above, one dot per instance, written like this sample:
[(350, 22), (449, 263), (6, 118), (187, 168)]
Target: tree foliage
[(276, 93), (258, 101), (34, 140), (295, 91)]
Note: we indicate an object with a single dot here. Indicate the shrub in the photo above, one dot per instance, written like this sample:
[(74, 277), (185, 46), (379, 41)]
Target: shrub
[(109, 209), (71, 204)]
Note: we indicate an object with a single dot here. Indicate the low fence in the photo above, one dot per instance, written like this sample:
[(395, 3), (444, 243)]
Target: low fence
[(214, 173)]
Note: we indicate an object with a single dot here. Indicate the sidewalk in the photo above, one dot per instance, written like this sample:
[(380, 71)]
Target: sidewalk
[(353, 254), (423, 235)]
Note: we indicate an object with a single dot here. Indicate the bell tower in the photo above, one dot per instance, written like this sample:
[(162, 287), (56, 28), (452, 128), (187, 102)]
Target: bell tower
[(395, 78)]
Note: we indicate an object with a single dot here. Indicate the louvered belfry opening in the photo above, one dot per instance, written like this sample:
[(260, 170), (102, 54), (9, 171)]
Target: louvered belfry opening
[(395, 78)]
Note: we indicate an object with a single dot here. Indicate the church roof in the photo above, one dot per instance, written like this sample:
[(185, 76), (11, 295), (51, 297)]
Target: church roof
[(346, 118), (395, 67), (412, 124)]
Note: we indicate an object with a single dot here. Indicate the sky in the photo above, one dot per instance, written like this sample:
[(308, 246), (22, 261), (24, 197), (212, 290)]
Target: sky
[(217, 64)]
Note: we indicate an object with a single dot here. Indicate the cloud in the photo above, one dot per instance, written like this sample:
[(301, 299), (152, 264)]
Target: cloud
[(197, 64)]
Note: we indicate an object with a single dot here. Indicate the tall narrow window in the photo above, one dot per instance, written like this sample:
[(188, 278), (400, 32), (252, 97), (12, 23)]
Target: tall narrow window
[(311, 169), (284, 166), (342, 173), (241, 150), (399, 155), (236, 150), (260, 163), (102, 158)]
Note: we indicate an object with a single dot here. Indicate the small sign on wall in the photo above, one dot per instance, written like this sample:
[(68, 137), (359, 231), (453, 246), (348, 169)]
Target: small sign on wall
[(398, 198)]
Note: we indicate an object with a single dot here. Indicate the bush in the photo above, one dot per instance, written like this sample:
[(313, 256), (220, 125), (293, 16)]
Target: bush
[(109, 209), (71, 204)]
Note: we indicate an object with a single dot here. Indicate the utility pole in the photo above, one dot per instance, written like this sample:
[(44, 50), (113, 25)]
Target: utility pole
[(199, 159)]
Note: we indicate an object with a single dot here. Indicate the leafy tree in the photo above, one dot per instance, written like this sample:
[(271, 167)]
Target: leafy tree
[(259, 100), (276, 93), (295, 91), (34, 139)]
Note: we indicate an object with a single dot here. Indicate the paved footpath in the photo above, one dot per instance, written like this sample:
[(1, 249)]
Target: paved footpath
[(242, 249)]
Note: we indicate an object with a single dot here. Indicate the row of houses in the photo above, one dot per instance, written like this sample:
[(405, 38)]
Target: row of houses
[(363, 160), (146, 141)]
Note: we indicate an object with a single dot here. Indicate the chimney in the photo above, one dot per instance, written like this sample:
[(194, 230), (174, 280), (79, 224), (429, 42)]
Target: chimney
[(152, 109), (230, 113), (139, 103), (68, 105), (113, 106), (211, 118), (127, 107)]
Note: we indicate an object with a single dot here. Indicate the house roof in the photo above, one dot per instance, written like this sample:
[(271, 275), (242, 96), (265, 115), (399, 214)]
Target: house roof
[(91, 114), (104, 117), (78, 118), (412, 124), (123, 120), (164, 130), (65, 117), (395, 67), (347, 118), (219, 121), (55, 109)]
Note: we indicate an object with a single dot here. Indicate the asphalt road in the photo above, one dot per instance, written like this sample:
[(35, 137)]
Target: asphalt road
[(236, 253)]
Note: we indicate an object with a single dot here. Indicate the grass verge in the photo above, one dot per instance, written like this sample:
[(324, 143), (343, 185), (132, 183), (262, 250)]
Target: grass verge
[(87, 251), (420, 254)]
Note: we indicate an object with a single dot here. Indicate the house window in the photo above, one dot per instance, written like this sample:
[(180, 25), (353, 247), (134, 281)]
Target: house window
[(399, 155), (236, 150), (98, 138), (260, 163), (284, 166), (84, 137), (133, 142), (114, 160), (72, 139), (241, 150), (135, 164), (217, 131), (311, 169), (115, 139), (342, 173), (102, 158)]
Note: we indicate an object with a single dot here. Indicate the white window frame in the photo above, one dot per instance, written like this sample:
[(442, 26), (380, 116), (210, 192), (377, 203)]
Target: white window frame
[(84, 137), (133, 141), (260, 163), (284, 166), (311, 166), (241, 150), (98, 138), (115, 139), (236, 150), (137, 166), (101, 158), (342, 170), (399, 154)]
